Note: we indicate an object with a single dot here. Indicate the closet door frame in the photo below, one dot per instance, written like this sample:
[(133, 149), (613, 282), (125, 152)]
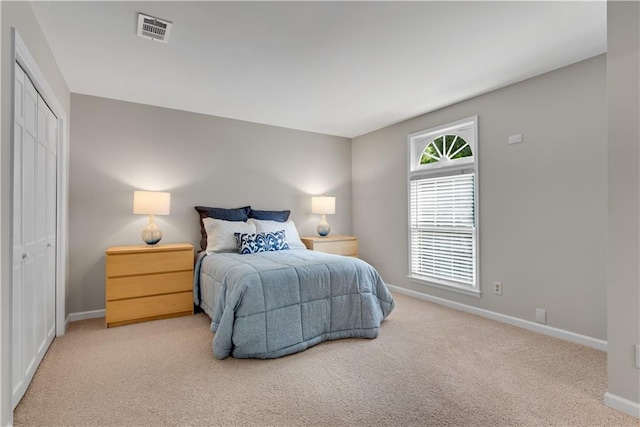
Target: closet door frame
[(23, 57)]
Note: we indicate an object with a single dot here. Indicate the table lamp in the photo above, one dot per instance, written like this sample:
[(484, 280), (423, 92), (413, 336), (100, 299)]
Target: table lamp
[(151, 203), (323, 205)]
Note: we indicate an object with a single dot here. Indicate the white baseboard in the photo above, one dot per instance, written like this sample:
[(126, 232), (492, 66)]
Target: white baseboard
[(621, 404), (526, 324), (73, 317)]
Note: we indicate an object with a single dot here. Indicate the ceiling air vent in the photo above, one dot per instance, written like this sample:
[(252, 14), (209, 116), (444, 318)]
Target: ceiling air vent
[(153, 28)]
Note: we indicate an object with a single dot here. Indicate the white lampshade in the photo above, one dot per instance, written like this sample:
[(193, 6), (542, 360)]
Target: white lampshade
[(323, 205), (151, 203)]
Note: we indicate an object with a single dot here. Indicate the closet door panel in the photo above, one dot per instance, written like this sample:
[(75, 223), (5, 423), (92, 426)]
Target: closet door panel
[(40, 193), (50, 294), (29, 149), (16, 341), (27, 316), (38, 301), (40, 246), (17, 164), (29, 142), (51, 224)]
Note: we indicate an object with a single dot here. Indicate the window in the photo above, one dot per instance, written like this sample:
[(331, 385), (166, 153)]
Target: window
[(443, 195)]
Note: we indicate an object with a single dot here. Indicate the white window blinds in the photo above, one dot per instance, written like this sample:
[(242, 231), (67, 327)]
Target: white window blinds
[(443, 227)]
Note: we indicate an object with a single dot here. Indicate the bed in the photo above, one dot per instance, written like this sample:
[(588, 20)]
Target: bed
[(272, 303)]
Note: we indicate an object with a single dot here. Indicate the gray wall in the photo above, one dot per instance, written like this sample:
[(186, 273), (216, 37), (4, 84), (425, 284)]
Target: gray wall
[(623, 296), (118, 147), (542, 207), (20, 16)]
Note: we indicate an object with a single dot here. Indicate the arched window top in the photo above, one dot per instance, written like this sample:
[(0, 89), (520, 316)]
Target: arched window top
[(448, 147), (445, 148)]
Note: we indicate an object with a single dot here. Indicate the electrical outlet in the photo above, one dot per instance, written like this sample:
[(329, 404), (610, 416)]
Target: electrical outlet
[(541, 316), (497, 288), (638, 356)]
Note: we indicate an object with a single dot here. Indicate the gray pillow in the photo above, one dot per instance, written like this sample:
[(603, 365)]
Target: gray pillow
[(235, 214)]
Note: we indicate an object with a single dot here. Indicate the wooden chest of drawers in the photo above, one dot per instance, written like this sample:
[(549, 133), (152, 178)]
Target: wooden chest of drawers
[(148, 282), (339, 245)]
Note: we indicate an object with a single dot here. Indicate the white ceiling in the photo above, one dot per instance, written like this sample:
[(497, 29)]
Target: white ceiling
[(339, 68)]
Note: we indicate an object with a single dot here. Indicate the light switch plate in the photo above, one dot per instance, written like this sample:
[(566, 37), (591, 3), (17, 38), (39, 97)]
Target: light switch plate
[(515, 139)]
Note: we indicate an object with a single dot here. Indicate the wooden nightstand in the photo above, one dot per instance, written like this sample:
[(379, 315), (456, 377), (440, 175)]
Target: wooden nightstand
[(148, 282), (339, 245)]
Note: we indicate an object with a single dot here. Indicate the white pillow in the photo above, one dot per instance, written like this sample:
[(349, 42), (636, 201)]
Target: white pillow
[(290, 231), (220, 237)]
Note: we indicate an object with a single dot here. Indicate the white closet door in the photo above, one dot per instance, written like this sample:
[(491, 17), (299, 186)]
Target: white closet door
[(34, 236), (45, 226), (51, 225), (25, 134)]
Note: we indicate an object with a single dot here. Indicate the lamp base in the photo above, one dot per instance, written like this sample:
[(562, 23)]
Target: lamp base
[(323, 228), (151, 234)]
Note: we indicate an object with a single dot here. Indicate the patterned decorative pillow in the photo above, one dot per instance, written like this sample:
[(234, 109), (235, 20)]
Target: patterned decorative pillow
[(261, 242)]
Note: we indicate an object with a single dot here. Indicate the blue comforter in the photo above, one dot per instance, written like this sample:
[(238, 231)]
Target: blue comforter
[(271, 304)]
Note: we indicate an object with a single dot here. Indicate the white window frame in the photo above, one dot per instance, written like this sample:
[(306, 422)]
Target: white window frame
[(417, 142)]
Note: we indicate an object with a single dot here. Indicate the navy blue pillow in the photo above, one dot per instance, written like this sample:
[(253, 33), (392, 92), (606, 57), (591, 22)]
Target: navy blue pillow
[(236, 214), (280, 216)]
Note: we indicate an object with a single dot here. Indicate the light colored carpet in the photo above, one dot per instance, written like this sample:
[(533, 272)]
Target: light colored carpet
[(430, 366)]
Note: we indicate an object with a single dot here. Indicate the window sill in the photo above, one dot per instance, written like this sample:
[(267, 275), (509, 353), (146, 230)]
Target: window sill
[(466, 290)]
